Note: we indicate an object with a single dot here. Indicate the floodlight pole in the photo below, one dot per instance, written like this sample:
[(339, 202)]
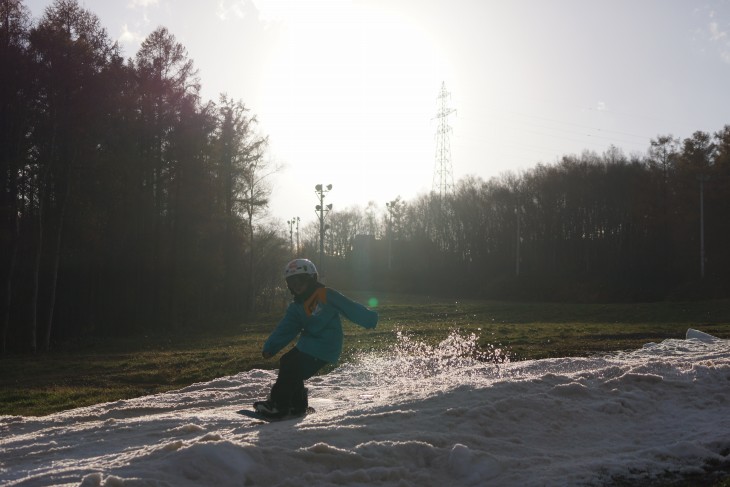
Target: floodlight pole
[(390, 205), (297, 236), (291, 235), (320, 190)]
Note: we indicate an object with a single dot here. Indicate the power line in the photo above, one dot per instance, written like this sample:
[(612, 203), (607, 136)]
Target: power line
[(590, 132), (593, 138)]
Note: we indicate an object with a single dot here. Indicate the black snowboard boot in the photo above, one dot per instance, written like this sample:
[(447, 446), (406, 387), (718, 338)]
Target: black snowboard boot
[(300, 404)]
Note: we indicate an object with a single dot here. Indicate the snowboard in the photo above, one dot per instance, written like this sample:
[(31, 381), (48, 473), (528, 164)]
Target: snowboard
[(250, 413)]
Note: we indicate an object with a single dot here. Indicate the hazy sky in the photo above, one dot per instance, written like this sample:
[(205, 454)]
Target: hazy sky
[(347, 90)]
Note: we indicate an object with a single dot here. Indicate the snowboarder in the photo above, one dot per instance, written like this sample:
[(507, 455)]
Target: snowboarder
[(313, 315)]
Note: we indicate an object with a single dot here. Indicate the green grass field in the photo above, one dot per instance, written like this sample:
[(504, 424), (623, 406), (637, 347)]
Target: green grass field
[(108, 369)]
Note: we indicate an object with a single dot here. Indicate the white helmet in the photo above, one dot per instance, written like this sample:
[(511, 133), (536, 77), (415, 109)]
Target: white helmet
[(300, 266)]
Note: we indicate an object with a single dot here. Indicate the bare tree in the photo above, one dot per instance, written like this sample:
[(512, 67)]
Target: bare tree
[(245, 174)]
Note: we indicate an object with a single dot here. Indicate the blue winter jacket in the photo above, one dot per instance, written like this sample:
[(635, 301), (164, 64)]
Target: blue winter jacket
[(317, 321)]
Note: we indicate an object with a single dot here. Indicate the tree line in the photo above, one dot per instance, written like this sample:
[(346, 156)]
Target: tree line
[(589, 227), (130, 204)]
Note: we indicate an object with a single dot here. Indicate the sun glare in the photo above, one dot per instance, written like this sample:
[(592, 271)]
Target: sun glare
[(351, 93)]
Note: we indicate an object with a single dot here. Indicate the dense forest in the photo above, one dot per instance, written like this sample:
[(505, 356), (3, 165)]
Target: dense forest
[(128, 203), (606, 227)]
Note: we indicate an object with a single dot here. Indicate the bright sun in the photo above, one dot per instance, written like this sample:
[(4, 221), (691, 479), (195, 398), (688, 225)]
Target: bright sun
[(350, 94)]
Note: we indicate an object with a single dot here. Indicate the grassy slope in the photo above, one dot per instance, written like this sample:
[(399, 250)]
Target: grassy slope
[(105, 370)]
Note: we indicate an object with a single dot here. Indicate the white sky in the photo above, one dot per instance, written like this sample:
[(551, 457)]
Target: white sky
[(416, 417), (347, 89)]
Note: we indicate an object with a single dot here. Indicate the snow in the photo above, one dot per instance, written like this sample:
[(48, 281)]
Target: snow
[(420, 416)]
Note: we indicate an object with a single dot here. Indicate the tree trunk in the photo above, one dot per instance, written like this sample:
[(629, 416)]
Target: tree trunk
[(251, 290), (36, 273), (42, 195), (9, 282), (56, 262)]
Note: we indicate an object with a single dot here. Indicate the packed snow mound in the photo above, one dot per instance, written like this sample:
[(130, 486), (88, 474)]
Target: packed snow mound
[(420, 416), (693, 334)]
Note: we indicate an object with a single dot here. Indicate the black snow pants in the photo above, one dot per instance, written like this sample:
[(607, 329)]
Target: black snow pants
[(288, 393)]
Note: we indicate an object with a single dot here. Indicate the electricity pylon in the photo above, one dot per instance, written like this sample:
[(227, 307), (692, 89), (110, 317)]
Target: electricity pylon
[(443, 177)]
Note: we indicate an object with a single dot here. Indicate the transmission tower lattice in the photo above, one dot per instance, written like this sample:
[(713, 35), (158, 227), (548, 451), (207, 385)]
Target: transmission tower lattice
[(443, 177)]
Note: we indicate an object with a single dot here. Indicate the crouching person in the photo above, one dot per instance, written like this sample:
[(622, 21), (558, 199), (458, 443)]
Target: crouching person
[(314, 317)]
